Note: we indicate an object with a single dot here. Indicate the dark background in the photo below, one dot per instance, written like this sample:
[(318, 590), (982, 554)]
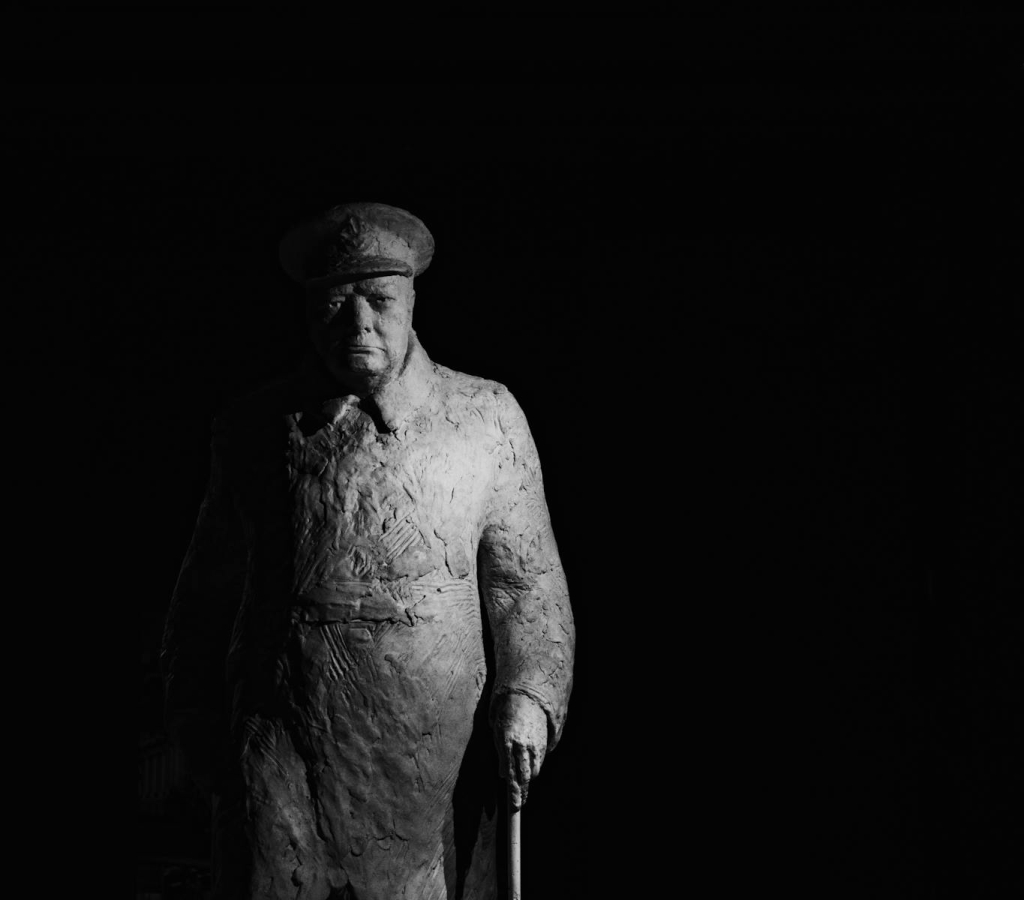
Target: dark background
[(764, 316)]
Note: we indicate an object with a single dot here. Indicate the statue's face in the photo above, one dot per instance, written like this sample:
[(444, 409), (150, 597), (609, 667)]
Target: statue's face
[(361, 330)]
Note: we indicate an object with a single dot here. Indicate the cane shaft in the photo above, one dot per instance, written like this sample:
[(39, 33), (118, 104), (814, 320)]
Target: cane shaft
[(515, 873)]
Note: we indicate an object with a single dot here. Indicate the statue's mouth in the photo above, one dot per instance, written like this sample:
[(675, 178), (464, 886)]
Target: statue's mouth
[(354, 348)]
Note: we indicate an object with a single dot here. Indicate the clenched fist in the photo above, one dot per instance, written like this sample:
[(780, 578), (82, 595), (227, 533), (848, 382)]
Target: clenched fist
[(521, 736)]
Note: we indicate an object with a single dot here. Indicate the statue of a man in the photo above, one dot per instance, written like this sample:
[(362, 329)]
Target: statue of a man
[(374, 532)]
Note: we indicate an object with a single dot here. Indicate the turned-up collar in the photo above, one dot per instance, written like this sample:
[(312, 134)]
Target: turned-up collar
[(396, 401)]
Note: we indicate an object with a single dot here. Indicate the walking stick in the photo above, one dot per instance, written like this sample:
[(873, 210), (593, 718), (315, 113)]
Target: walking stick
[(515, 874)]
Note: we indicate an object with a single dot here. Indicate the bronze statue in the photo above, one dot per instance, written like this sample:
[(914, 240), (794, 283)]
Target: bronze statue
[(374, 530)]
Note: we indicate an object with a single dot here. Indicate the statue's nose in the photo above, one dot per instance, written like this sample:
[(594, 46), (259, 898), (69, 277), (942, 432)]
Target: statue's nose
[(361, 314)]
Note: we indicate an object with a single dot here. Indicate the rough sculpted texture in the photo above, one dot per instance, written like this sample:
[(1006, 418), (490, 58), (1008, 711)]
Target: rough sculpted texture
[(362, 573)]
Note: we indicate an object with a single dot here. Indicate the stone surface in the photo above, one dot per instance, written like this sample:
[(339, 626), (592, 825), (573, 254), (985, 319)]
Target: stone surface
[(372, 587)]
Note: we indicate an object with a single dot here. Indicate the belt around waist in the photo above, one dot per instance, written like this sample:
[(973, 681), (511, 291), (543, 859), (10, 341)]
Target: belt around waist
[(360, 602)]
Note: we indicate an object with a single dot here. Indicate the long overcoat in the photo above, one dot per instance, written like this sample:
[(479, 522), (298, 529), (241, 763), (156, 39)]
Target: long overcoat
[(364, 577)]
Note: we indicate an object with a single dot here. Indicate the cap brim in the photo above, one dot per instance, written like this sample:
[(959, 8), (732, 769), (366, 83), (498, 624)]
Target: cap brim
[(370, 267)]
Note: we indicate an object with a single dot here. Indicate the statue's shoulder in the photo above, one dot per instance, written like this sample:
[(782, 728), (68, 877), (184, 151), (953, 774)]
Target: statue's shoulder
[(471, 390), (461, 383), (489, 399)]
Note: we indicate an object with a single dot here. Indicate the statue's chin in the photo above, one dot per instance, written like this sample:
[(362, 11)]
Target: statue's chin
[(360, 374), (360, 365)]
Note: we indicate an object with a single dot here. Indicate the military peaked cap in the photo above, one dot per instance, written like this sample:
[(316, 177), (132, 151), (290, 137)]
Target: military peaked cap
[(355, 241)]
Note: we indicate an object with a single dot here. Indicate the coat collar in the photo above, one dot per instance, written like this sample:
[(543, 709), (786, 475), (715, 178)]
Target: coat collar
[(395, 402)]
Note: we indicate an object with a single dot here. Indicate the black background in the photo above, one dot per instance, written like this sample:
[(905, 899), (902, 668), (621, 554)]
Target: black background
[(763, 314)]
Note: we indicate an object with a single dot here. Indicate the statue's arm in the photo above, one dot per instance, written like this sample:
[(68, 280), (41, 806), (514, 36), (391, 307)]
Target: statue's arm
[(198, 627), (524, 591)]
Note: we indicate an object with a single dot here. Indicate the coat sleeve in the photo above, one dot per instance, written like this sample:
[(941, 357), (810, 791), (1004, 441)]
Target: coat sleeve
[(200, 619), (522, 581)]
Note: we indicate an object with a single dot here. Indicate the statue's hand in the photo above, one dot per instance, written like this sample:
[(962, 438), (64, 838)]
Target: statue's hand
[(521, 735)]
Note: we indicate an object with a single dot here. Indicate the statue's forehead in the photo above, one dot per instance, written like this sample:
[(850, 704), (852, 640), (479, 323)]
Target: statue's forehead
[(387, 283)]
